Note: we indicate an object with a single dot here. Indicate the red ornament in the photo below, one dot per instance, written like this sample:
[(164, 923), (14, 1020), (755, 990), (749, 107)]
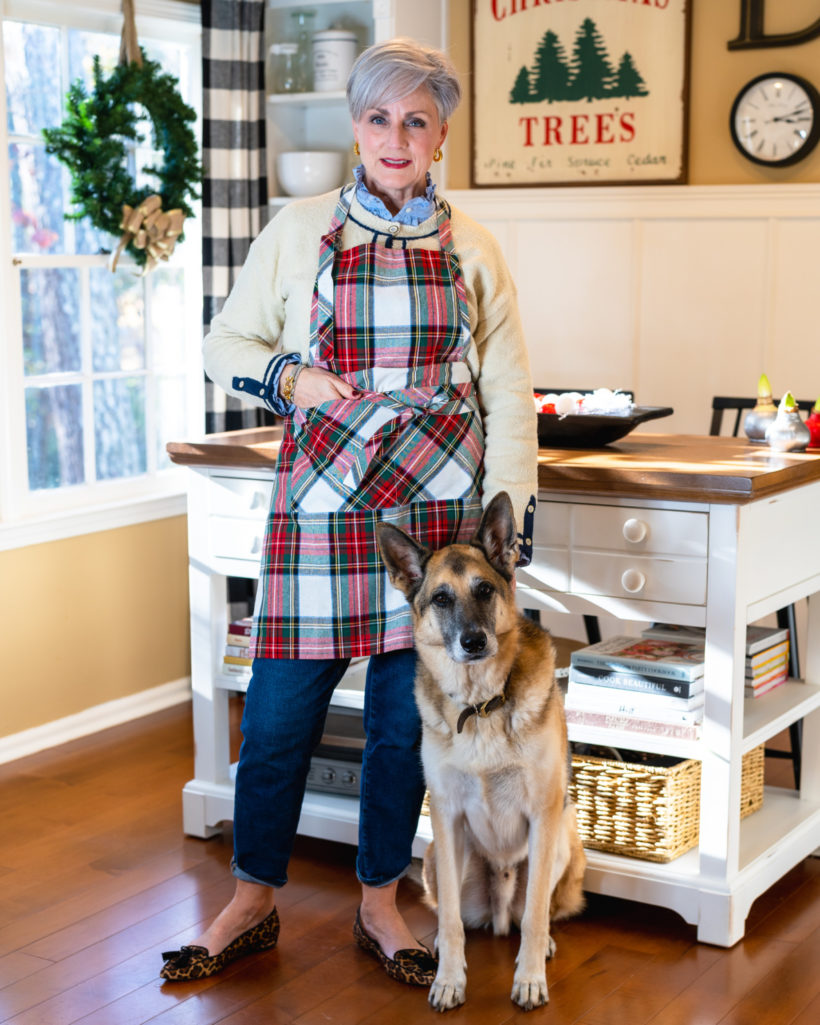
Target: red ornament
[(813, 424)]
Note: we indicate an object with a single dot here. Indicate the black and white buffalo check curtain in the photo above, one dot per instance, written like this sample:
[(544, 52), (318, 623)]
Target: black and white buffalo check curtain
[(234, 189)]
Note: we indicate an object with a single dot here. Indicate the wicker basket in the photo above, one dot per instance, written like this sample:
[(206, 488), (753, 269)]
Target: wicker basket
[(649, 811)]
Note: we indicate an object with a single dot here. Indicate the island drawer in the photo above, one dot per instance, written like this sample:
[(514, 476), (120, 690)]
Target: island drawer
[(637, 529), (680, 580)]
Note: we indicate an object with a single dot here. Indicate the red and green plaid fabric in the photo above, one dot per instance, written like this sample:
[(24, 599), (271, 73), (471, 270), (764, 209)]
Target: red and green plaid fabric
[(408, 450), (340, 602)]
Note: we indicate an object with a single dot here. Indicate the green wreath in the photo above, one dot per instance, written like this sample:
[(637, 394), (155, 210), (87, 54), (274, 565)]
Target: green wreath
[(91, 142)]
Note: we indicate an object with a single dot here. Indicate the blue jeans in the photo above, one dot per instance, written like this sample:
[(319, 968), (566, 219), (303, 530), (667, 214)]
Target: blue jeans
[(284, 717)]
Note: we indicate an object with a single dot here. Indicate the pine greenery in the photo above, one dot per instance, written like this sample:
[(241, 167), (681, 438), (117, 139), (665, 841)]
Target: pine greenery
[(94, 138)]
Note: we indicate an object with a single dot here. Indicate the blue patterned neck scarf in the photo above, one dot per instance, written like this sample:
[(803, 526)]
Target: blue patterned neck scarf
[(414, 212)]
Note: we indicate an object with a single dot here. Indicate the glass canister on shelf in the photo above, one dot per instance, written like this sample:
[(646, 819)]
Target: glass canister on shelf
[(302, 25), (284, 66)]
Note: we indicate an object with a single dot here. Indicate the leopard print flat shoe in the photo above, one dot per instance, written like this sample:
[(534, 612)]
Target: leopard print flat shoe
[(415, 966), (196, 963)]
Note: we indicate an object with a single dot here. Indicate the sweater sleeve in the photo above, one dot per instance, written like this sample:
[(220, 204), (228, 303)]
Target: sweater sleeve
[(504, 382), (245, 336), (265, 321)]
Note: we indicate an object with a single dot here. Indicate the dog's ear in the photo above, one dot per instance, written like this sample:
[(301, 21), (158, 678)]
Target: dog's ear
[(404, 558), (497, 535)]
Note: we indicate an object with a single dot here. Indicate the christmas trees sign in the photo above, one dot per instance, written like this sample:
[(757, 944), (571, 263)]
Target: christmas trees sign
[(589, 75), (586, 91)]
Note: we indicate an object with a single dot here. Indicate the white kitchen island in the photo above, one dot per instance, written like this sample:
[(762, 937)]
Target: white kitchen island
[(696, 530)]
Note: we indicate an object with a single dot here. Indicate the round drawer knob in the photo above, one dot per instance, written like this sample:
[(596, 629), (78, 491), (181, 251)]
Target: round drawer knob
[(633, 581), (256, 546), (635, 530)]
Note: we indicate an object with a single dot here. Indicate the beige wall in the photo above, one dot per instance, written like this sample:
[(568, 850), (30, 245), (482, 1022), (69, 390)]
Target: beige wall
[(91, 619), (716, 76)]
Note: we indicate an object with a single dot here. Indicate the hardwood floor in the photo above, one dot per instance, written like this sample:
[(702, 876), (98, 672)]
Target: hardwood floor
[(96, 879)]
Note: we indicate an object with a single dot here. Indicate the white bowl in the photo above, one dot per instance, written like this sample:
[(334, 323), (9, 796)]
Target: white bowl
[(310, 172)]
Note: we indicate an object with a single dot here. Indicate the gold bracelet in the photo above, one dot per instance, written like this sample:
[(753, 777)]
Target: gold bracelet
[(289, 384)]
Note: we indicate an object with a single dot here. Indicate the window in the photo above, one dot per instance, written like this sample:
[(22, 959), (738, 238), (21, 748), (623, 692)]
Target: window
[(99, 369)]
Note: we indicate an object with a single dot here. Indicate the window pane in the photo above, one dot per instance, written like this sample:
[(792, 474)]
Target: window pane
[(40, 190), (88, 240), (171, 415), (118, 324), (171, 58), (119, 427), (167, 322), (83, 47), (50, 299), (37, 223), (33, 90), (54, 435)]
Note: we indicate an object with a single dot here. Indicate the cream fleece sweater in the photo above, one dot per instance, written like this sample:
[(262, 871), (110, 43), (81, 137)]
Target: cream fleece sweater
[(268, 314)]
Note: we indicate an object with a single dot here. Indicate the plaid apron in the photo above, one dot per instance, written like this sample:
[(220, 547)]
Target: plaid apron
[(407, 450)]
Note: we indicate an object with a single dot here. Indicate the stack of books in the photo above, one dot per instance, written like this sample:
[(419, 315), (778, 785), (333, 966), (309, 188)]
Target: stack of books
[(645, 685), (236, 661), (767, 652)]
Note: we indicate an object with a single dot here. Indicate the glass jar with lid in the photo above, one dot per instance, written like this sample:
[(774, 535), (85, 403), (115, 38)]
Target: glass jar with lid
[(285, 67)]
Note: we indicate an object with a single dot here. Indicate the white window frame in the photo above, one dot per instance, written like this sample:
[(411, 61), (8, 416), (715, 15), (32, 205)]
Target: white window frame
[(28, 517)]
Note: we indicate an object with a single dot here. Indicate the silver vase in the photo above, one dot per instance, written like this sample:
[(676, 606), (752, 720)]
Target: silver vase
[(757, 420), (788, 433)]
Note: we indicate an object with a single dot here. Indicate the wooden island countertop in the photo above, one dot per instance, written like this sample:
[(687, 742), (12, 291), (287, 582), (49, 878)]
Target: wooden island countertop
[(681, 467)]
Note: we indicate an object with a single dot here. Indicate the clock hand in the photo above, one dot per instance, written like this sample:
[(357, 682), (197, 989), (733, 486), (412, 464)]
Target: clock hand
[(800, 109)]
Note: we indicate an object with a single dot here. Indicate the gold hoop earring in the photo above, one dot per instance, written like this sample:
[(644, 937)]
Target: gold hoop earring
[(437, 155), (356, 149)]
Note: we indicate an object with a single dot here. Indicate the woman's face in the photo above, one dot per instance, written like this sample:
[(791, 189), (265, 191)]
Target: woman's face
[(396, 143)]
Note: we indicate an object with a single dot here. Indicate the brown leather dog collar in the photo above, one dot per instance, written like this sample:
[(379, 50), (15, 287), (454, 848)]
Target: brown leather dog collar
[(482, 709)]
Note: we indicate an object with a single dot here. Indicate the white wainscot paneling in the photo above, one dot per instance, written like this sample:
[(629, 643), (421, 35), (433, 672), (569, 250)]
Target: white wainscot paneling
[(559, 264), (793, 342), (677, 292), (703, 315)]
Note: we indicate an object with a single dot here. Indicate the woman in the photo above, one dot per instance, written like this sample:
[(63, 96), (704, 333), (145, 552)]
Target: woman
[(382, 326)]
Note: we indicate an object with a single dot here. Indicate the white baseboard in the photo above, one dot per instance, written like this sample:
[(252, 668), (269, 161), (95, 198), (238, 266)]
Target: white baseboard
[(92, 720)]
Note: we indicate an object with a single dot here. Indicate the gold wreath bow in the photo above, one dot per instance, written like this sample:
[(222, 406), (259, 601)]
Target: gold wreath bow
[(149, 228)]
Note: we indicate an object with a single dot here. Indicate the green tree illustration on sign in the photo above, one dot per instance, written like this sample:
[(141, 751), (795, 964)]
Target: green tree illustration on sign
[(551, 73), (587, 76), (521, 90), (592, 74), (628, 81)]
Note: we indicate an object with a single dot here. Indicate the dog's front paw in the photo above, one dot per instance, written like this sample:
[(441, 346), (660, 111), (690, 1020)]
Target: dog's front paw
[(449, 989), (530, 993), (551, 947)]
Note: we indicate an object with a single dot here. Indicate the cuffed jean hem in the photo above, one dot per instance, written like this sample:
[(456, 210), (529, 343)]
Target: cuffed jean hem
[(246, 877), (378, 884)]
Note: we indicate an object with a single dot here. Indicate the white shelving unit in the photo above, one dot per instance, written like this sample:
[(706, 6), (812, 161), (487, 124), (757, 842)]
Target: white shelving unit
[(320, 120), (719, 566)]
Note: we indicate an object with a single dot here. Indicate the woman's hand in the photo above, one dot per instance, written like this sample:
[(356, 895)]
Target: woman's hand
[(315, 385)]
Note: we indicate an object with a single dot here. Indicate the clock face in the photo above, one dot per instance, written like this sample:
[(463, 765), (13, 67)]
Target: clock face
[(775, 119)]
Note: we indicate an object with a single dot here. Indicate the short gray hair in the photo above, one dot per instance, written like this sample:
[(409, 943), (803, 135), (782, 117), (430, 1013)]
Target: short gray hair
[(392, 70)]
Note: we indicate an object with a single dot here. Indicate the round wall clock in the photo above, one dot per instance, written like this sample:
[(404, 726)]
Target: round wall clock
[(775, 119)]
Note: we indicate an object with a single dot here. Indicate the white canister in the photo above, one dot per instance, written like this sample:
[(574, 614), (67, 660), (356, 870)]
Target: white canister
[(333, 54)]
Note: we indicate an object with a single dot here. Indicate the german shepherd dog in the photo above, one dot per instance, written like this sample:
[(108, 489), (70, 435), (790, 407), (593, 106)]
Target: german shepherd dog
[(506, 848)]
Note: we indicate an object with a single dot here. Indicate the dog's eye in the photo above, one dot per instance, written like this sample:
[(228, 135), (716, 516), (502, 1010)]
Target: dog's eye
[(484, 591), (442, 599)]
